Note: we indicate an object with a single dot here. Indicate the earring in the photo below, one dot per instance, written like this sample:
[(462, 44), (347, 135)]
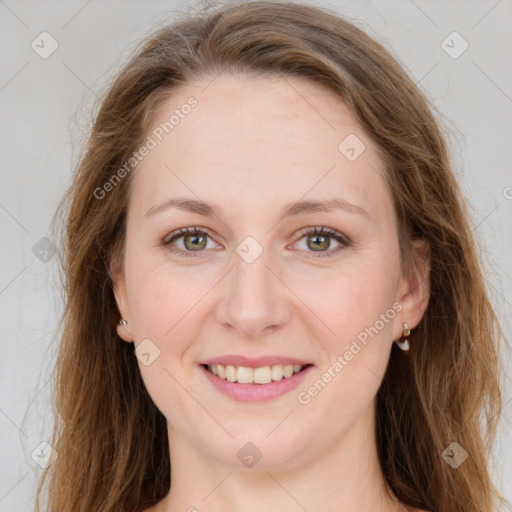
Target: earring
[(122, 321), (404, 345)]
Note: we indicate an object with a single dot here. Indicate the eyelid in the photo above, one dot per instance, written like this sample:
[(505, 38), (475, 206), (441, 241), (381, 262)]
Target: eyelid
[(186, 231), (333, 232)]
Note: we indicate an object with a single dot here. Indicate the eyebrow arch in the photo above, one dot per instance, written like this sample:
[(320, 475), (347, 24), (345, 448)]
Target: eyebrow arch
[(291, 209)]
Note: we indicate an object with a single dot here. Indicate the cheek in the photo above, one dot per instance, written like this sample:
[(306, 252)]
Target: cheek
[(163, 295), (358, 307), (166, 306), (348, 299)]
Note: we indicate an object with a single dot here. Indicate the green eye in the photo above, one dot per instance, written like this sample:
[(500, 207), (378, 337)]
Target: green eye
[(319, 241), (195, 240)]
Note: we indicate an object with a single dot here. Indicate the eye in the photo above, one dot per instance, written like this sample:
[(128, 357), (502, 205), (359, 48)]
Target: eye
[(319, 241), (193, 240)]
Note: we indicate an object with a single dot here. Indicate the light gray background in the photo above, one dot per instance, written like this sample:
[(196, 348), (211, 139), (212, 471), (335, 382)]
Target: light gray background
[(45, 109)]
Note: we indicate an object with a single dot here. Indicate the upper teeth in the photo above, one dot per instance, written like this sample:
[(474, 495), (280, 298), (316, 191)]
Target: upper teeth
[(245, 375)]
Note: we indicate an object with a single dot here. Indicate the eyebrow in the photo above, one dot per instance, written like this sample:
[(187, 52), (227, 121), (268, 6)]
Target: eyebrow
[(290, 209)]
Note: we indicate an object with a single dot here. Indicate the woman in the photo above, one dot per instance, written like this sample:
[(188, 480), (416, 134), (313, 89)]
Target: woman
[(266, 204)]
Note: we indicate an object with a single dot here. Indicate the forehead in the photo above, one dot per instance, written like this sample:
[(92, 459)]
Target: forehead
[(271, 139)]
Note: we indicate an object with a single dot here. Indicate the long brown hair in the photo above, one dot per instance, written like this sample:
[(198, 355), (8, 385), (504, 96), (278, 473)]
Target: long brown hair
[(111, 440)]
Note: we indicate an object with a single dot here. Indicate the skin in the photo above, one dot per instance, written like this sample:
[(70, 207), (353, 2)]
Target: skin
[(251, 146)]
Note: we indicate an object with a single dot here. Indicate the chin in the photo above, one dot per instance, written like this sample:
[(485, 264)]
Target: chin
[(260, 448)]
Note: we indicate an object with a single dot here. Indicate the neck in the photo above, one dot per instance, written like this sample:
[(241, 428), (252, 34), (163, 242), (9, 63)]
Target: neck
[(346, 477)]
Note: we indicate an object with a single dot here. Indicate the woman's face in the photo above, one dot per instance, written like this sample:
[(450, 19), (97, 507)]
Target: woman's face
[(256, 165)]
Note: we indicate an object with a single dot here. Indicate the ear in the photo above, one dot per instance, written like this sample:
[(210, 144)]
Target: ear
[(125, 332), (414, 288)]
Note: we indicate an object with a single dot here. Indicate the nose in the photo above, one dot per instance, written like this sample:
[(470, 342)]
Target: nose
[(253, 299)]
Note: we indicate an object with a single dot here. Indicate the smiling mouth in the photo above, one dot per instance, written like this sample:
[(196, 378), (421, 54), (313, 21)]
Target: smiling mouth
[(262, 375)]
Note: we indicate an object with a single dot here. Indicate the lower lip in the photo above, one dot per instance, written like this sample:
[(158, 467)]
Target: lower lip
[(256, 392)]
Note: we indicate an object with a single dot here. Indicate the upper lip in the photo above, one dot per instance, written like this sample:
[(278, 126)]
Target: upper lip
[(256, 362)]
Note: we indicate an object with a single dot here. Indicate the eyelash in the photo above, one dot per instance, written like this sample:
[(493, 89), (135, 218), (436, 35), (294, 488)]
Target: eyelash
[(342, 239)]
